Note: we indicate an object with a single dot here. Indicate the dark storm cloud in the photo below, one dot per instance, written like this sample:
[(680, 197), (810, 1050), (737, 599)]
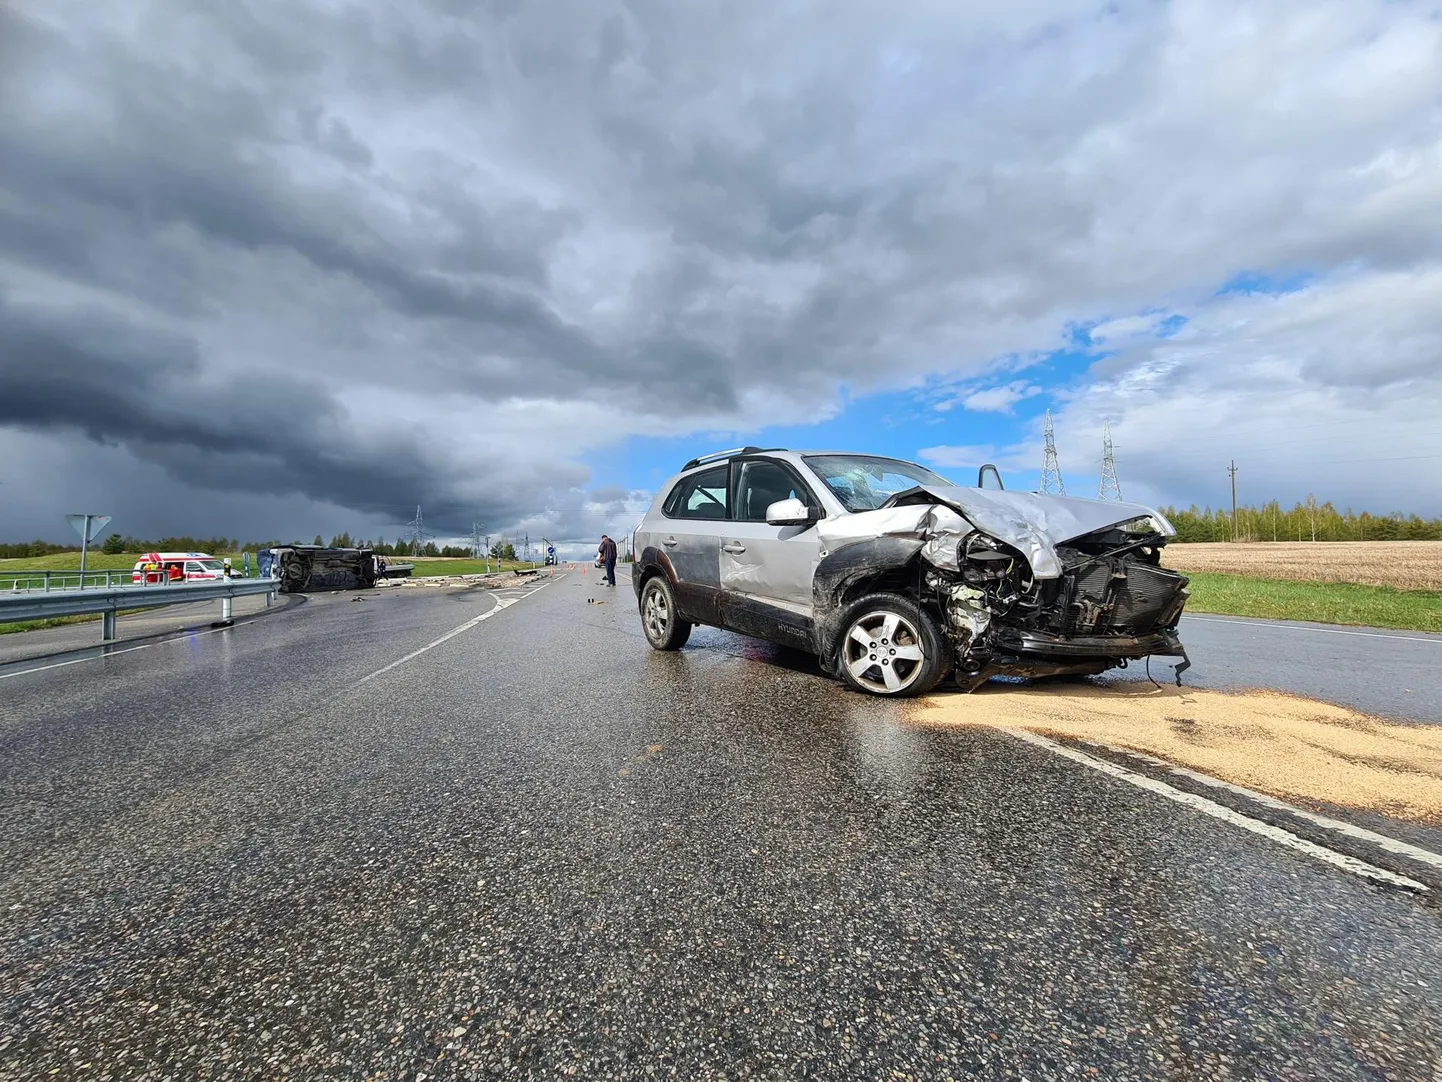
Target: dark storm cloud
[(282, 436)]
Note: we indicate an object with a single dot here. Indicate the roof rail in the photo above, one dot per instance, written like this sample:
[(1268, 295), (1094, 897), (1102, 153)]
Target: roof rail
[(714, 456)]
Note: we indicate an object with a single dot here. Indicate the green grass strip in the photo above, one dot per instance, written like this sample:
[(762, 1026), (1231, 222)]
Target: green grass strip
[(1316, 602)]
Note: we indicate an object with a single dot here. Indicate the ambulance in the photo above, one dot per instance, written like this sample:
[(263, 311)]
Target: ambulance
[(164, 567)]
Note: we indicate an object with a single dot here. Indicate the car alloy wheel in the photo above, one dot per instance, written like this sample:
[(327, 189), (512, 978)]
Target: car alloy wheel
[(663, 625), (883, 652), (657, 615)]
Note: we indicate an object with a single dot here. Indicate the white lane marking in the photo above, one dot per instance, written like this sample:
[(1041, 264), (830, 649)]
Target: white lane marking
[(73, 661), (1220, 811), (1382, 841), (240, 620), (502, 603), (1317, 630), (175, 637)]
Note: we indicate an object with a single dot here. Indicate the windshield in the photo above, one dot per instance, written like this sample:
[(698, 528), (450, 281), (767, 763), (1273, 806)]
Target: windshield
[(865, 482)]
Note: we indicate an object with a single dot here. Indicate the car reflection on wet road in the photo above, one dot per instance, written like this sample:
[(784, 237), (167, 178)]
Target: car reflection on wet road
[(538, 847)]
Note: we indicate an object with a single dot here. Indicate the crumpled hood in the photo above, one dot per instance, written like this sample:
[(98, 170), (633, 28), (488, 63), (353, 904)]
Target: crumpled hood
[(1035, 524)]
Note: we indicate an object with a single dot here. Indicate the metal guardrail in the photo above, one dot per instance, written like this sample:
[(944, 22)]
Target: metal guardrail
[(47, 579), (113, 600)]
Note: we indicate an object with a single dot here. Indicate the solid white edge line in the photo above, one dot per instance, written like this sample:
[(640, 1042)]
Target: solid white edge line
[(73, 661), (186, 633), (502, 603), (1382, 841), (183, 633), (1220, 811), (1318, 630)]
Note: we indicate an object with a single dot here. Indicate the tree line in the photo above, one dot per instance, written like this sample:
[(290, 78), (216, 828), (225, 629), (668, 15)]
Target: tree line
[(1305, 521)]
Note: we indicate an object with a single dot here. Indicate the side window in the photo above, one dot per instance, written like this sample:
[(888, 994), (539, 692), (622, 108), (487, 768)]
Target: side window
[(763, 483), (702, 495), (192, 568)]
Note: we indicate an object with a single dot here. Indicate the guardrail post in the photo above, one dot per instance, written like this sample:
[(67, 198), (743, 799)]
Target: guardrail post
[(225, 608), (107, 626)]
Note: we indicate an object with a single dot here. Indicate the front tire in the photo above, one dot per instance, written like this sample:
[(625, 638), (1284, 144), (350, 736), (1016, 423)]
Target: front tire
[(891, 646), (660, 619)]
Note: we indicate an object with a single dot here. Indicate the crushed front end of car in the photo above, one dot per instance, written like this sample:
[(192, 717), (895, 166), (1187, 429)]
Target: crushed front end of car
[(1022, 584)]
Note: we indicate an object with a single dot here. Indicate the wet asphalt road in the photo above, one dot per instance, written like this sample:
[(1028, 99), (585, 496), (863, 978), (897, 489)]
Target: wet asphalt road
[(1387, 673), (539, 849)]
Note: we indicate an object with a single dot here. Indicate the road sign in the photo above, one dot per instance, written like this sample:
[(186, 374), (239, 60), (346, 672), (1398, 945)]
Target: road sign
[(88, 526)]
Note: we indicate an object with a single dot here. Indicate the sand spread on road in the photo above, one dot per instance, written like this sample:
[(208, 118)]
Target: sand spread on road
[(1293, 748)]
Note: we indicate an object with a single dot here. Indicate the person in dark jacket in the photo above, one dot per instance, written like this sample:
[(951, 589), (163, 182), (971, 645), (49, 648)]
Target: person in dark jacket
[(608, 557)]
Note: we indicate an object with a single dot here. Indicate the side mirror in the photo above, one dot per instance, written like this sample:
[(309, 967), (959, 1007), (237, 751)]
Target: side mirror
[(788, 513)]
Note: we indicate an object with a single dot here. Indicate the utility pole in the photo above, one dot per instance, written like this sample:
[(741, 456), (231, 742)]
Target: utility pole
[(1232, 469), (1110, 487), (1051, 482)]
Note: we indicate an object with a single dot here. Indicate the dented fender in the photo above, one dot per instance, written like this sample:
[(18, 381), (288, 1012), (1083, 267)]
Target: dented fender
[(843, 567)]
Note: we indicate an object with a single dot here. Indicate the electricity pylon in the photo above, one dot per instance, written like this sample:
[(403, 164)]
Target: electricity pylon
[(1110, 488), (418, 533), (1051, 482)]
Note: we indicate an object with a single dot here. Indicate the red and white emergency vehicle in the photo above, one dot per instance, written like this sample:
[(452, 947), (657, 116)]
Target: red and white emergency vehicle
[(158, 567)]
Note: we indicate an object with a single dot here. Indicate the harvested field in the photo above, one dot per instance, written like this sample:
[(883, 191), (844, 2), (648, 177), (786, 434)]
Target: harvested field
[(1403, 565), (1293, 748)]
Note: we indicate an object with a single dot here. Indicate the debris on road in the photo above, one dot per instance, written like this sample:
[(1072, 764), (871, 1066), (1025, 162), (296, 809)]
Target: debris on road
[(1284, 745)]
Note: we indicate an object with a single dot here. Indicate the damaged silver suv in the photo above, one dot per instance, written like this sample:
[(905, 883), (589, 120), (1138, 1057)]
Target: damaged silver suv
[(895, 578)]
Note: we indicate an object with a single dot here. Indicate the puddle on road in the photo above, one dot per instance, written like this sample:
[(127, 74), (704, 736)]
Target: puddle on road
[(1291, 747)]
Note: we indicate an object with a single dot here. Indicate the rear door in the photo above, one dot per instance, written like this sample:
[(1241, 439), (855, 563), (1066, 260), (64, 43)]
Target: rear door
[(690, 537), (766, 571)]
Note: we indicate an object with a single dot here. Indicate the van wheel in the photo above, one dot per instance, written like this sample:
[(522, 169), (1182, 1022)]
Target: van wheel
[(891, 646), (665, 630)]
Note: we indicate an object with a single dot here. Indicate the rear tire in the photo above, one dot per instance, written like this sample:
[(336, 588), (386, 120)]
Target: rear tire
[(660, 619), (891, 646)]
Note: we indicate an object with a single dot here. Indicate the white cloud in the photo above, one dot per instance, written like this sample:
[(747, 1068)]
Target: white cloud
[(1333, 389), (999, 399), (1125, 328), (956, 456)]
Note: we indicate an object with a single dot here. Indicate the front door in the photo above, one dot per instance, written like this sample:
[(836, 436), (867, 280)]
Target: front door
[(766, 571)]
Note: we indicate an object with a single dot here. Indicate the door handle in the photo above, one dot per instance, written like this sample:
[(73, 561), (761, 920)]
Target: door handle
[(735, 548), (669, 542)]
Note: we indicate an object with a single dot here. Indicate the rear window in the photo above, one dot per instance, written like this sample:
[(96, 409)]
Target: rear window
[(702, 495)]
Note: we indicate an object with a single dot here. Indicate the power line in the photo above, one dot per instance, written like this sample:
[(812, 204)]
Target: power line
[(1109, 488), (1051, 482)]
